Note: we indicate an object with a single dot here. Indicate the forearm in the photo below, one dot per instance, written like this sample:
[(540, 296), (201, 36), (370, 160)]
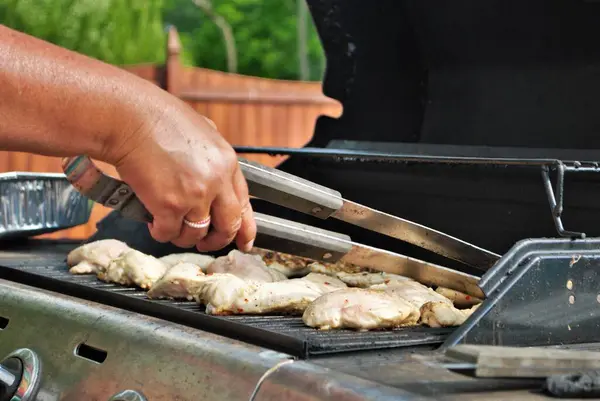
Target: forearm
[(58, 103)]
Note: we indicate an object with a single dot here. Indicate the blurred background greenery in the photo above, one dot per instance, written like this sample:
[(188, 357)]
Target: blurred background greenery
[(272, 39)]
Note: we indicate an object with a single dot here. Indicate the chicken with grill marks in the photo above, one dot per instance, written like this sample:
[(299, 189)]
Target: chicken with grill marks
[(197, 259), (236, 296), (360, 309), (134, 268), (333, 269), (181, 281), (95, 257), (288, 265), (246, 266)]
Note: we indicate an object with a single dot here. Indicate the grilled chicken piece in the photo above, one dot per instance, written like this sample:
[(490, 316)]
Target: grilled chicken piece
[(288, 265), (360, 309), (181, 281), (366, 280), (134, 268), (436, 310), (236, 296), (197, 259), (411, 291), (222, 291), (440, 314), (355, 276), (96, 256), (333, 269), (245, 266), (459, 299)]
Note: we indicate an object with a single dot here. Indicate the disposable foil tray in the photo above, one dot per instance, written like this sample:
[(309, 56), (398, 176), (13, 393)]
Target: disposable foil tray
[(39, 203)]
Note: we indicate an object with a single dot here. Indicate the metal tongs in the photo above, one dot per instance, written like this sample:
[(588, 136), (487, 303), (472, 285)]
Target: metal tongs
[(286, 236)]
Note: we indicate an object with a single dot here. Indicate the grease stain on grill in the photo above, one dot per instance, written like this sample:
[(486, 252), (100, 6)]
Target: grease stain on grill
[(287, 334)]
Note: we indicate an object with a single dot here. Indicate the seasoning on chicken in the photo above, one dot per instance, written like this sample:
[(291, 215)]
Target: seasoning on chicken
[(134, 268), (333, 269), (360, 309), (181, 281), (236, 296), (246, 266), (459, 299), (288, 265), (96, 256), (197, 259)]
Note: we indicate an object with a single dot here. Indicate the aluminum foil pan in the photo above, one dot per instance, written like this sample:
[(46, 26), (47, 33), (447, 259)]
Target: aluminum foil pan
[(39, 203)]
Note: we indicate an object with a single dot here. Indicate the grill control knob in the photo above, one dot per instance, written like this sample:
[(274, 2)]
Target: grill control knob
[(20, 376), (128, 395), (11, 371)]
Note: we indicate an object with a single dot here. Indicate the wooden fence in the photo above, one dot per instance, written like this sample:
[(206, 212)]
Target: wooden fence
[(247, 110)]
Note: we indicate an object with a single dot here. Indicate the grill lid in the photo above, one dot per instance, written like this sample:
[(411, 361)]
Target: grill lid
[(466, 72)]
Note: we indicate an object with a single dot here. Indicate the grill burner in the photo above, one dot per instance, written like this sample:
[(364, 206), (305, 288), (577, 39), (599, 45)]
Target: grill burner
[(281, 333)]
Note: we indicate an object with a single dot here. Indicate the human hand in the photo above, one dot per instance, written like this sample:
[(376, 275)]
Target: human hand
[(181, 169)]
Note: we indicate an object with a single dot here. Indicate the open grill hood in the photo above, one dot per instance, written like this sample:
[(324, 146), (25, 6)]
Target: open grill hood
[(493, 73)]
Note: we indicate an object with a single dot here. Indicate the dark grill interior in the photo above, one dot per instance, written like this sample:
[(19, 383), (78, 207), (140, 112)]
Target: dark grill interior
[(281, 333)]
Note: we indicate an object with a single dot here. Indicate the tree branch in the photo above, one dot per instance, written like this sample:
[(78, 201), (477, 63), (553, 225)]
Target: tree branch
[(301, 36), (226, 31)]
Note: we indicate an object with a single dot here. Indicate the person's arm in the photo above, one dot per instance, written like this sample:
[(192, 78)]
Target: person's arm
[(56, 102), (59, 103)]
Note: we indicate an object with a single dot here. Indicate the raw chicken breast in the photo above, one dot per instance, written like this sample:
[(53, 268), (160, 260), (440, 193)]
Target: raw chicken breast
[(361, 309), (181, 281), (197, 259), (459, 299), (245, 266), (96, 256), (134, 267), (243, 297)]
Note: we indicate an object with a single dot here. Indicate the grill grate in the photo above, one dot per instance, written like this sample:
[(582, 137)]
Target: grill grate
[(280, 333)]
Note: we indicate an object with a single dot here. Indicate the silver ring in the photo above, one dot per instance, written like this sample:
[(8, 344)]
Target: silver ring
[(197, 224)]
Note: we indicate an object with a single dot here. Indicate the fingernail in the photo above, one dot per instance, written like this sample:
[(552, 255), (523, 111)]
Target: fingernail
[(248, 246)]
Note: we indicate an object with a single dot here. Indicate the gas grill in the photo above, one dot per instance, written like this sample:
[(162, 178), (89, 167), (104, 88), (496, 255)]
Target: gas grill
[(465, 136)]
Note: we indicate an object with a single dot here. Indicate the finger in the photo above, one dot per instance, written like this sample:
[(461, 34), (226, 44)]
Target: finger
[(165, 227), (247, 233), (211, 122), (190, 236), (226, 215)]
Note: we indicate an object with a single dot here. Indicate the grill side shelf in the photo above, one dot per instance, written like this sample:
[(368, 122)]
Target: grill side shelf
[(285, 334)]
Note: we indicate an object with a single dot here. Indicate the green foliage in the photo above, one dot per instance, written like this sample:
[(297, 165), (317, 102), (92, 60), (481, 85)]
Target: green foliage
[(133, 31), (115, 31), (265, 34)]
